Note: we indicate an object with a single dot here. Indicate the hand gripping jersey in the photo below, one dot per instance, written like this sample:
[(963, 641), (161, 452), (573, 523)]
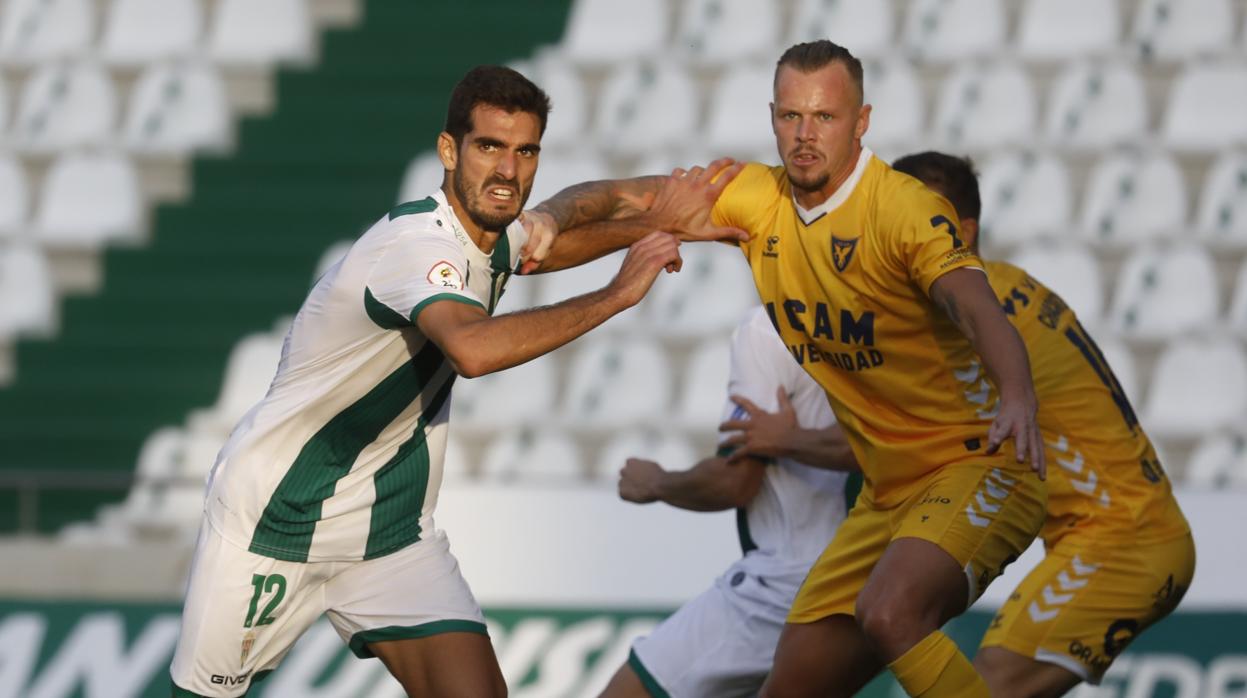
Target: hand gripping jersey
[(1103, 474), (342, 459), (846, 284), (797, 508)]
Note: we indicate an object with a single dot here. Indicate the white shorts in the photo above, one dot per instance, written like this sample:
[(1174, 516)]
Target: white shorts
[(243, 611), (721, 643)]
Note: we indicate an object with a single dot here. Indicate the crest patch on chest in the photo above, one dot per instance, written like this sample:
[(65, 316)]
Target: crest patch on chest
[(842, 252)]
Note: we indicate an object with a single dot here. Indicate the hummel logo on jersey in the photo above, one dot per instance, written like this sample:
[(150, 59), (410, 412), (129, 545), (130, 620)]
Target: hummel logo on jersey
[(772, 247), (842, 252)]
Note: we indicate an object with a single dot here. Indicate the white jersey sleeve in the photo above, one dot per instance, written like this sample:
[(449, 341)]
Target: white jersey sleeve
[(419, 266)]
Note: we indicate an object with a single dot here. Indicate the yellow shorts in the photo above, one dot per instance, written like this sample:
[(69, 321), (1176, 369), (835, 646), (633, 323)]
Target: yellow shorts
[(1081, 607), (981, 515)]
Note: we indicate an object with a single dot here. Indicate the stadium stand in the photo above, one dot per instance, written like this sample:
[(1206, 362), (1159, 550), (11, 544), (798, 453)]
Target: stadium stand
[(1112, 168), (195, 276)]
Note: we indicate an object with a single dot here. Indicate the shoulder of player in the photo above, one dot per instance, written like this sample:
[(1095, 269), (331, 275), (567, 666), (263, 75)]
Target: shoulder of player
[(758, 178)]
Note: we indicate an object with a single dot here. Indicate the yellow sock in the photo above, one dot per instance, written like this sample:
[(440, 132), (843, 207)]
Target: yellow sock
[(935, 668)]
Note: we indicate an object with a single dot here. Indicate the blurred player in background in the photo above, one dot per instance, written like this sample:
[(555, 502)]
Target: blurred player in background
[(322, 500), (864, 276), (1119, 551), (722, 642)]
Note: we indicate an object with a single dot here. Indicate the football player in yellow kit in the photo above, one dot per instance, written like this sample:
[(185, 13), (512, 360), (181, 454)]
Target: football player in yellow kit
[(1119, 552), (872, 289)]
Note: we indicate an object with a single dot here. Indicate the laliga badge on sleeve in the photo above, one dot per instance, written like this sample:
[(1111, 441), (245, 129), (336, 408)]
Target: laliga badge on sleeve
[(446, 275)]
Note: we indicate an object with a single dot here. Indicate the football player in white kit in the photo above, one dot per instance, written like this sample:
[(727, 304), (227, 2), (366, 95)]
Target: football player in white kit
[(322, 499), (722, 642)]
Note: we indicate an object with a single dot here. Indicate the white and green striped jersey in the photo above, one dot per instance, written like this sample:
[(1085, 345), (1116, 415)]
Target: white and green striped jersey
[(342, 459)]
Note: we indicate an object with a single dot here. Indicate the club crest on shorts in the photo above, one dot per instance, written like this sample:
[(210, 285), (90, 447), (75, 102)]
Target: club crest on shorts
[(842, 252), (445, 274), (248, 641)]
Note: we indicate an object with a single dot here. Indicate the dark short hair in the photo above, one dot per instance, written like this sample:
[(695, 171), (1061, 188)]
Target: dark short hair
[(497, 86), (952, 176), (815, 55)]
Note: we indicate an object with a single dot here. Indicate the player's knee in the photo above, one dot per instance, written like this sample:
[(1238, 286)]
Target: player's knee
[(892, 623)]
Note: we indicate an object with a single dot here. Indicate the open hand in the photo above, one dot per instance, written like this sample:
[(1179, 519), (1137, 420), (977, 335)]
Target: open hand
[(760, 433), (684, 202), (1017, 420)]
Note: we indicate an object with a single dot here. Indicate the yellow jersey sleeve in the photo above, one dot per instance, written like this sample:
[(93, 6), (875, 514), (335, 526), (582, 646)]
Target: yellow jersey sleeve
[(744, 203), (926, 240)]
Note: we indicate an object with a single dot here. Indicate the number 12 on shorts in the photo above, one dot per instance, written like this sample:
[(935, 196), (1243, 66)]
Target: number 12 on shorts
[(274, 584)]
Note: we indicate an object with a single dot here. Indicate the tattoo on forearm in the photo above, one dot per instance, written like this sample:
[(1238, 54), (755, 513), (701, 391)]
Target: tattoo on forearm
[(580, 204)]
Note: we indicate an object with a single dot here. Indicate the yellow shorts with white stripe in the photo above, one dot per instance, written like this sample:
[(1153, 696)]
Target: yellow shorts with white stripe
[(1081, 607), (982, 515)]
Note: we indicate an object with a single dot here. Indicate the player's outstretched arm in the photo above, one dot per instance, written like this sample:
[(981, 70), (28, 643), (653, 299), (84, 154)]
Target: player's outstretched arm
[(711, 485), (586, 221), (967, 298), (476, 343), (778, 434)]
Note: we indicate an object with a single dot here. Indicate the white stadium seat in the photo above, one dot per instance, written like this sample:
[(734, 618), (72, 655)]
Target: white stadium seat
[(569, 110), (740, 116), (670, 450), (867, 27), (424, 176), (522, 395), (1064, 29), (247, 32), (948, 30), (647, 105), (1207, 108), (1198, 387), (65, 105), (721, 31), (1069, 270), (6, 106), (713, 290), (1219, 461), (527, 455), (1093, 106), (14, 198), (1181, 30), (557, 172), (27, 298), (89, 200), (615, 383), (1025, 195), (457, 465), (1222, 216), (561, 285), (1121, 360), (898, 113), (1165, 292), (1132, 197), (1236, 319), (144, 31), (703, 388), (604, 32), (36, 31), (249, 372), (986, 106), (331, 256), (178, 108)]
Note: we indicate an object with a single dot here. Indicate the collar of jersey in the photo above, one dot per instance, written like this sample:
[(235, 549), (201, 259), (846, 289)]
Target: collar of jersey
[(808, 216), (460, 232)]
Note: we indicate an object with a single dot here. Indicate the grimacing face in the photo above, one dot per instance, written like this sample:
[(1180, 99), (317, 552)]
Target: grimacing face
[(492, 170), (818, 120)]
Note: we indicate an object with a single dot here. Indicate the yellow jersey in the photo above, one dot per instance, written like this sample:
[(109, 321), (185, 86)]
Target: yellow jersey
[(1103, 473), (846, 286)]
